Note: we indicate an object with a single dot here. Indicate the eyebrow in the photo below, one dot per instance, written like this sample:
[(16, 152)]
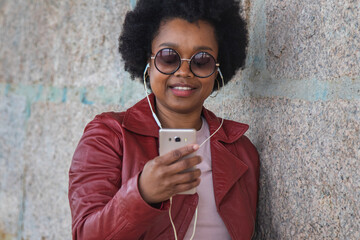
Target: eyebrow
[(174, 45)]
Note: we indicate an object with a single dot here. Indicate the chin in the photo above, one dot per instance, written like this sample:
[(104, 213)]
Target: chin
[(186, 110)]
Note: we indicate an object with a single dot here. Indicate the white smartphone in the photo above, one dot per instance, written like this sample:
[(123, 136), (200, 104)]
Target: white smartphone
[(171, 139)]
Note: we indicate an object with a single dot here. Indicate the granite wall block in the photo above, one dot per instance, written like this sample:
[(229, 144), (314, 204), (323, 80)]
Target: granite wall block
[(12, 137), (310, 39), (299, 92), (309, 185)]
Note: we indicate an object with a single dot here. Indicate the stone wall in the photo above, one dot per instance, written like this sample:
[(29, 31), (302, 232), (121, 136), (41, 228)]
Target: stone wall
[(300, 93)]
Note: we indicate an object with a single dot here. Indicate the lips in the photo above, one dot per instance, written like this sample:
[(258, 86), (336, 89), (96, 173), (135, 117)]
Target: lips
[(182, 90)]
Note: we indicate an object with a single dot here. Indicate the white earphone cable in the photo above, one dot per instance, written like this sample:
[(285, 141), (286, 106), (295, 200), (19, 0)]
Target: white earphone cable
[(147, 96), (222, 113), (172, 223), (159, 124)]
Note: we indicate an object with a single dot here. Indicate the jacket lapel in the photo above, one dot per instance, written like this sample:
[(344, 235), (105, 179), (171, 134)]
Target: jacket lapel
[(139, 119), (226, 167), (227, 170)]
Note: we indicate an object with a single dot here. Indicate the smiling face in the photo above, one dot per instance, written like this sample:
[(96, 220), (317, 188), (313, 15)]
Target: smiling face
[(182, 92)]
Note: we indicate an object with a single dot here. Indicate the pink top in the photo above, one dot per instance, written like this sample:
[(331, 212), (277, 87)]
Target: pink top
[(209, 223)]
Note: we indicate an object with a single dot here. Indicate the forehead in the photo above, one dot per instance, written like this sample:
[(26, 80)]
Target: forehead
[(186, 36)]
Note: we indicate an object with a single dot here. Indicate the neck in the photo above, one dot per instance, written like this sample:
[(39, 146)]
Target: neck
[(170, 119)]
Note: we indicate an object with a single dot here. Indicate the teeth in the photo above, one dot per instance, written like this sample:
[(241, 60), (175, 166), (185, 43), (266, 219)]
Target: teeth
[(182, 88)]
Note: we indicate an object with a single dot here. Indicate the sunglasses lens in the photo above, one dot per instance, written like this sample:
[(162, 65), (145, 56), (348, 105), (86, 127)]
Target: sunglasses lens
[(203, 64), (167, 61)]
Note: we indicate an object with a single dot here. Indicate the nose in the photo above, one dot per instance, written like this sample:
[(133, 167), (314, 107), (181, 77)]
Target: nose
[(184, 69)]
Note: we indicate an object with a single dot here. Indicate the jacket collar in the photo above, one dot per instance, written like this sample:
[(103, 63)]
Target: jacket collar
[(139, 119), (230, 130), (227, 166)]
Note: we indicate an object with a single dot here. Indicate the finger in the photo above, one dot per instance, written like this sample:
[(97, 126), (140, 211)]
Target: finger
[(186, 177), (186, 186), (183, 164), (176, 154)]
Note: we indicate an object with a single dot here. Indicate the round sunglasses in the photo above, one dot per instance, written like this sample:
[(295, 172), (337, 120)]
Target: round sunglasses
[(168, 61)]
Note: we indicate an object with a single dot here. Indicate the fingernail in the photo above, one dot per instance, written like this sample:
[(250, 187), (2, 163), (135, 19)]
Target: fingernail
[(196, 147)]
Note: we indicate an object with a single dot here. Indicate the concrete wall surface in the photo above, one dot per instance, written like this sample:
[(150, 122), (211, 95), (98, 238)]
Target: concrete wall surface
[(299, 92)]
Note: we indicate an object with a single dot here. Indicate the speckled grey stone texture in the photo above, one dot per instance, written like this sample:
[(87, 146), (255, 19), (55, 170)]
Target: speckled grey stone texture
[(318, 39), (310, 174), (61, 42), (12, 136), (299, 92), (55, 57), (310, 170)]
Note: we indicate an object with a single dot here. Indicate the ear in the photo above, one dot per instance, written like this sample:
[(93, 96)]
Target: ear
[(146, 72)]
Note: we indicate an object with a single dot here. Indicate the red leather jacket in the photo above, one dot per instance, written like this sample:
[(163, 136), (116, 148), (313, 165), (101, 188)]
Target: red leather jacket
[(103, 179)]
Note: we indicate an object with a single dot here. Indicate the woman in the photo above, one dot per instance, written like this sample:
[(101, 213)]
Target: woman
[(120, 188)]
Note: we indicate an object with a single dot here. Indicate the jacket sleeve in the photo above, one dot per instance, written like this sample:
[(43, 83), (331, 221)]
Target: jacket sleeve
[(102, 206)]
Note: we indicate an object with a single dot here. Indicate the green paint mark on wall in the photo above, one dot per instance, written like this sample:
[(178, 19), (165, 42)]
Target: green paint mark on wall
[(7, 89), (262, 86), (83, 97), (39, 93), (64, 95), (132, 4)]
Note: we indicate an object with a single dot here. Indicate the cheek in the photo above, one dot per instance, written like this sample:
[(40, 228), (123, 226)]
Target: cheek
[(152, 77), (157, 79), (210, 85)]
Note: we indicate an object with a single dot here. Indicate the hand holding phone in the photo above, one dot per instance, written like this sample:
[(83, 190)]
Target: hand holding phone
[(164, 176), (171, 139)]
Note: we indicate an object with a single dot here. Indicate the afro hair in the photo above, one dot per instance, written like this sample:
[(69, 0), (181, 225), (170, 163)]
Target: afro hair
[(142, 25)]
